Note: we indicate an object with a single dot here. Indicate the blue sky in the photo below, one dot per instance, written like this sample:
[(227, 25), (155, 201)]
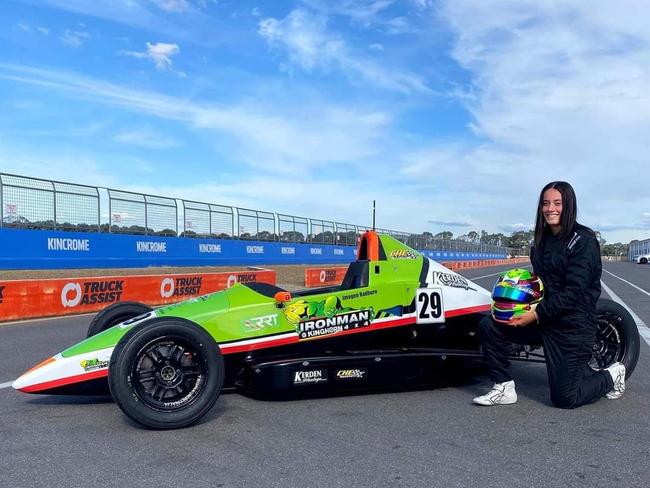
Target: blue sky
[(452, 115)]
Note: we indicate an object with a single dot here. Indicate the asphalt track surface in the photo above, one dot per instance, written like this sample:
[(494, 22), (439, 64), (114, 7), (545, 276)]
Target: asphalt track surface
[(427, 438)]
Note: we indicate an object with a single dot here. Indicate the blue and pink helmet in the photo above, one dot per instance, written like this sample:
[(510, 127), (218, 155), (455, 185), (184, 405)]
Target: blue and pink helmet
[(514, 293)]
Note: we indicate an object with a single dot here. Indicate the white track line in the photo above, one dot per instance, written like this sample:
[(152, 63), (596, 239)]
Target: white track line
[(493, 274), (46, 319), (631, 284), (644, 331), (5, 385)]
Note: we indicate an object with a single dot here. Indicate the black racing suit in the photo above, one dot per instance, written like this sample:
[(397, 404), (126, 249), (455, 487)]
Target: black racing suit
[(571, 273)]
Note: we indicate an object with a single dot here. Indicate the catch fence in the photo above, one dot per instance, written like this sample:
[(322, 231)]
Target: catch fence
[(36, 203)]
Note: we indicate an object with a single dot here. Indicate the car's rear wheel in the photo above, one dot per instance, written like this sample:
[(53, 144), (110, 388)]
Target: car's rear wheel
[(617, 338), (643, 260), (166, 374), (114, 314)]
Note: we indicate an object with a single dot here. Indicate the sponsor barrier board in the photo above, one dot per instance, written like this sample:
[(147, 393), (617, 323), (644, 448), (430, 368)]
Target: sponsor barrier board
[(324, 276), (22, 299), (39, 249)]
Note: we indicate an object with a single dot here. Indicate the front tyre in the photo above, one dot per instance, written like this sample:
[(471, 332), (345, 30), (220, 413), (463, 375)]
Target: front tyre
[(166, 374), (115, 314), (617, 337)]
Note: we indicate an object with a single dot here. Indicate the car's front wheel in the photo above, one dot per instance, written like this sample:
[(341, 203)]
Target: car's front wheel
[(166, 374), (114, 314)]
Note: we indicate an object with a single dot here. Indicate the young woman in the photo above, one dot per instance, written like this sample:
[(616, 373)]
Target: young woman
[(566, 256)]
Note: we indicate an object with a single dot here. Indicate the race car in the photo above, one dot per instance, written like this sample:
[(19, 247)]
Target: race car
[(397, 317)]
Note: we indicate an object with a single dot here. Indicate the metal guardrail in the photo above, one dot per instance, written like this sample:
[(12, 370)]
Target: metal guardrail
[(292, 228), (35, 203), (136, 213), (208, 220)]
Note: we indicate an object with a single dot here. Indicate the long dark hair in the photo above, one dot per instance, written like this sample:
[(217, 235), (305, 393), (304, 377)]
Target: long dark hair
[(569, 211)]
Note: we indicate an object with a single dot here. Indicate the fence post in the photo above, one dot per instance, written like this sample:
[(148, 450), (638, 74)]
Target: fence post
[(110, 211), (54, 202), (146, 218)]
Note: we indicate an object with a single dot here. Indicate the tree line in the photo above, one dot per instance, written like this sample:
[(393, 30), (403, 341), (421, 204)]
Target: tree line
[(520, 241)]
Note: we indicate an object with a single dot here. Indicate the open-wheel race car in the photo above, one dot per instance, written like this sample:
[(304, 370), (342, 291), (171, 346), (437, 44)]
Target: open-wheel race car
[(394, 319)]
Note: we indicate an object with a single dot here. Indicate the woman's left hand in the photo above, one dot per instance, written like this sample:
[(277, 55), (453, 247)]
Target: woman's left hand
[(524, 319)]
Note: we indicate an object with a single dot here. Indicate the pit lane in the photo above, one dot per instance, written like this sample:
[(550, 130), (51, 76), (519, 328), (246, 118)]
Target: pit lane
[(412, 438)]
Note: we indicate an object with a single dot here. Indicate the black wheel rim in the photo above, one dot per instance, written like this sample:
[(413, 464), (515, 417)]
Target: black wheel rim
[(169, 373), (609, 346)]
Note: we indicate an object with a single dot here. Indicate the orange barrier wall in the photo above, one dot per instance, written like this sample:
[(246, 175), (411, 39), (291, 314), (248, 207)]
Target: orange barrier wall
[(22, 299), (483, 263), (334, 276), (324, 276)]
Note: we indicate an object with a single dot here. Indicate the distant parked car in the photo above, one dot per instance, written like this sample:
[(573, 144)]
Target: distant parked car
[(642, 258)]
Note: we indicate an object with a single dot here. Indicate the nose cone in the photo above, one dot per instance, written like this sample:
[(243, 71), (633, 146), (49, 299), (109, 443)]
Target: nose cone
[(59, 371)]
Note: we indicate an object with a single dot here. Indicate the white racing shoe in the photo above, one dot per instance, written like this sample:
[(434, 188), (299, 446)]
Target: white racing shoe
[(617, 371), (500, 394)]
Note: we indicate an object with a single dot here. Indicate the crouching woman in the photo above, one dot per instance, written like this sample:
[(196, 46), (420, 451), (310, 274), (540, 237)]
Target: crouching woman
[(566, 256)]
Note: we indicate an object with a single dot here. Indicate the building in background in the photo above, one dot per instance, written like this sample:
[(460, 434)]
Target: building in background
[(637, 248)]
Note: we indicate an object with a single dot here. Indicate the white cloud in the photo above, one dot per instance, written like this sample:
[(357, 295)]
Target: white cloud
[(43, 30), (146, 138), (362, 12), (23, 27), (311, 46), (75, 38), (559, 91), (159, 52), (510, 228), (398, 25), (172, 5), (375, 46), (273, 137)]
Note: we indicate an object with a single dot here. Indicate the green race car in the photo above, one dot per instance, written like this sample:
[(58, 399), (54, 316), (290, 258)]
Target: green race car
[(395, 318)]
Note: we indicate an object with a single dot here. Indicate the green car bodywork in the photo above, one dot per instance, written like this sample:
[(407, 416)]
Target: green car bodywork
[(240, 312)]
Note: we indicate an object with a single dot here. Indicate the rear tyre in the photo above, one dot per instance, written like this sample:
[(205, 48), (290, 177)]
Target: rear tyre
[(114, 314), (617, 338), (166, 374), (643, 260)]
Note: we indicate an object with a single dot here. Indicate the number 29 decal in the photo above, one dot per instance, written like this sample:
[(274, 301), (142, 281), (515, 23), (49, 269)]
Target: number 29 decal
[(428, 306)]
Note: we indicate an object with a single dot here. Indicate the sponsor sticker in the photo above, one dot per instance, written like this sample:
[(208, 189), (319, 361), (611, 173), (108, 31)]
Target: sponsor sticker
[(451, 280), (259, 323), (93, 364), (309, 377), (352, 374), (315, 251), (134, 320), (288, 250), (338, 252), (254, 249), (74, 293), (331, 325), (403, 254)]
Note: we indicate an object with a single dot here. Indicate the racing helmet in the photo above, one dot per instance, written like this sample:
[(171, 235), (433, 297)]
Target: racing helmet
[(514, 293)]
